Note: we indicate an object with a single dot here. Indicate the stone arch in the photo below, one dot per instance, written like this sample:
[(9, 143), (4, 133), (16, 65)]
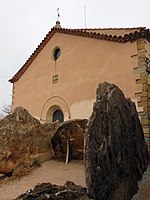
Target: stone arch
[(53, 103), (50, 115)]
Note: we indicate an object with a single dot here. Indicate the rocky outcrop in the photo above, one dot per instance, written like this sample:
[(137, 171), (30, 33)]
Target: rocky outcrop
[(115, 150), (68, 140), (23, 141), (46, 191)]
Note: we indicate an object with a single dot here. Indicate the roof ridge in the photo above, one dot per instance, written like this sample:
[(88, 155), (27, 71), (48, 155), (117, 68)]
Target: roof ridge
[(115, 28)]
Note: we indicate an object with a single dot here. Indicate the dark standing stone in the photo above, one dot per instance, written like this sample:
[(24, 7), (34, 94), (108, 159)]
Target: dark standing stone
[(115, 150)]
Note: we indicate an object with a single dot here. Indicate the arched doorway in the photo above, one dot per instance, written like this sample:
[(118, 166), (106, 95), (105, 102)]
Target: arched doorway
[(55, 113), (52, 104), (58, 115)]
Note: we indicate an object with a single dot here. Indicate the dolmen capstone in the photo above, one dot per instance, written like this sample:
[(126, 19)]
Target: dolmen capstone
[(115, 150)]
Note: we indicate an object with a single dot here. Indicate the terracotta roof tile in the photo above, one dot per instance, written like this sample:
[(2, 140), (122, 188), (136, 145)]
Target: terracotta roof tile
[(114, 31), (130, 34)]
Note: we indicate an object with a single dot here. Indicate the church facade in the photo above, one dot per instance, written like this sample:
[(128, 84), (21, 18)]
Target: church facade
[(60, 78)]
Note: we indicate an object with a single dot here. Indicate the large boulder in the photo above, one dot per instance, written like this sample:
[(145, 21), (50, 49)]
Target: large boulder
[(45, 191), (115, 150), (23, 141), (68, 140)]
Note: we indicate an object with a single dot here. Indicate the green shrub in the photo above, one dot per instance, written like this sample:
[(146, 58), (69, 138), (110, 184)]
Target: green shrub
[(37, 163)]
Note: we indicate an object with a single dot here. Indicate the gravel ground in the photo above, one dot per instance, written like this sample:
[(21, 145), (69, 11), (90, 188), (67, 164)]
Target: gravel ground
[(144, 187), (51, 171), (57, 173)]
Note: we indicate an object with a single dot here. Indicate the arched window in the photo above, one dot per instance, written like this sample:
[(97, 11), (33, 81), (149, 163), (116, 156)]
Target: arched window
[(58, 115)]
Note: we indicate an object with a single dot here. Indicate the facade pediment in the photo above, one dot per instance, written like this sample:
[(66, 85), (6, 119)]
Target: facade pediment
[(121, 35)]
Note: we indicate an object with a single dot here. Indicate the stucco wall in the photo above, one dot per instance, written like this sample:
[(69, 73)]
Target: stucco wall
[(84, 62)]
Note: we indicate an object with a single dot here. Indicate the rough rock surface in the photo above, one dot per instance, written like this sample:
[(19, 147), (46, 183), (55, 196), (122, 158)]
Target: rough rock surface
[(73, 131), (23, 141), (44, 191), (115, 150)]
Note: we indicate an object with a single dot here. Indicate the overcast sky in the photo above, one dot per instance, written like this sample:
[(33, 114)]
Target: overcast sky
[(24, 23)]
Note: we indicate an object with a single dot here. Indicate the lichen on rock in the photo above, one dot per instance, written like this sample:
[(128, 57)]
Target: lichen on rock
[(69, 191), (115, 150), (22, 140)]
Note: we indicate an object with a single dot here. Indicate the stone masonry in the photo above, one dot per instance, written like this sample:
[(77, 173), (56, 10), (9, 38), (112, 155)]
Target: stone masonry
[(143, 72)]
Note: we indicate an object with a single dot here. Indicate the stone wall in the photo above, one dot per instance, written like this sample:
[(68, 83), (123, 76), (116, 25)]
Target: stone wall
[(142, 72)]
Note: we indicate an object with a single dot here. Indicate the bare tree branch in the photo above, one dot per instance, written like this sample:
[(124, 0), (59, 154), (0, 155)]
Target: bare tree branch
[(6, 110)]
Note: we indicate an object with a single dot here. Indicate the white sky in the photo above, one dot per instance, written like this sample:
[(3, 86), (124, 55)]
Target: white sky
[(24, 23)]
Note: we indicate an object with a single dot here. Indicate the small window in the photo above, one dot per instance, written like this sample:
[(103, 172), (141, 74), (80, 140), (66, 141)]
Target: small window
[(56, 53), (55, 79)]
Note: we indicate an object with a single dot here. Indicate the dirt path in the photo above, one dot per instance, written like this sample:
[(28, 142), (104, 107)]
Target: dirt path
[(144, 187), (52, 171), (57, 173)]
